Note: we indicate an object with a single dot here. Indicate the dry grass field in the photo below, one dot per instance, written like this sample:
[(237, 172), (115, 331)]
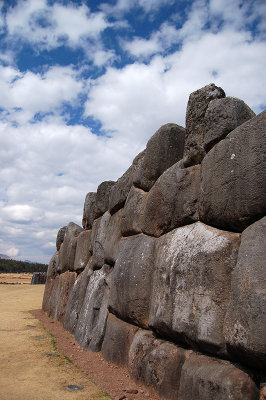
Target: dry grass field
[(15, 279), (26, 370)]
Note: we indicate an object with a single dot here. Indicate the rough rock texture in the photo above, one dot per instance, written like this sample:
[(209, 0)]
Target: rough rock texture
[(193, 267), (88, 210), (211, 379), (76, 299), (195, 125), (131, 280), (66, 281), (223, 116), (245, 324), (233, 187), (132, 217), (120, 190), (117, 340), (163, 149), (60, 237), (83, 252), (102, 198), (173, 200), (38, 278), (156, 363), (90, 328), (161, 251), (68, 248)]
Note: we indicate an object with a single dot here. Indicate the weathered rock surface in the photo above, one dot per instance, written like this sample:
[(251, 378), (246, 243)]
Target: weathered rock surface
[(66, 281), (53, 266), (211, 379), (120, 190), (38, 278), (193, 267), (60, 237), (223, 116), (68, 248), (90, 328), (131, 280), (163, 150), (133, 212), (83, 252), (102, 198), (117, 340), (195, 125), (173, 200), (245, 323), (89, 210), (76, 299), (233, 180), (157, 364), (51, 297)]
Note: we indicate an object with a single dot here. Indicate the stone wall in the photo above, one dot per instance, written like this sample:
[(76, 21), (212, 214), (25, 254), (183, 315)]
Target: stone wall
[(167, 275)]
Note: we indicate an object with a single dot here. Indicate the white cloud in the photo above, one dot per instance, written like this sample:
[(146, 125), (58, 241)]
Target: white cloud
[(25, 94), (48, 26), (12, 252), (20, 213)]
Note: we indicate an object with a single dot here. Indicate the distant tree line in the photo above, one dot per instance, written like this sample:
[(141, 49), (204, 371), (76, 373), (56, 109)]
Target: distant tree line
[(13, 266)]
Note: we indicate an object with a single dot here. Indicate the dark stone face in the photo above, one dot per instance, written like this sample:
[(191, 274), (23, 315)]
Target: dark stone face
[(233, 181), (102, 198), (89, 210)]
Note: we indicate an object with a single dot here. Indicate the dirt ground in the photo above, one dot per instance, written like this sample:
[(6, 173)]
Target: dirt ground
[(28, 373)]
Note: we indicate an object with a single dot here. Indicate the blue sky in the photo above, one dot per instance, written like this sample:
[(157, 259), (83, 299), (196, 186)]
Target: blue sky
[(85, 84)]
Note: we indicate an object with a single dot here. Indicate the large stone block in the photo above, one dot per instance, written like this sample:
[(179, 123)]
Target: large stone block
[(83, 252), (90, 328), (191, 282), (60, 237), (106, 234), (65, 284), (120, 190), (233, 178), (157, 364), (76, 298), (245, 323), (211, 379), (223, 116), (52, 296), (131, 279), (117, 340), (133, 212), (53, 266), (173, 200), (47, 294), (195, 125), (164, 149), (102, 198), (89, 210), (68, 248)]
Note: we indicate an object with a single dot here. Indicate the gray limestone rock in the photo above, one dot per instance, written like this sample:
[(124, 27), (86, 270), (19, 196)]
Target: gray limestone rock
[(68, 248), (98, 237), (47, 294), (52, 296), (76, 298), (38, 278), (117, 340), (223, 116), (66, 281), (90, 328), (211, 379), (233, 180), (83, 252), (89, 210), (173, 200), (131, 280), (132, 217), (191, 282), (245, 322), (53, 266), (195, 125), (164, 149), (157, 364), (112, 238), (60, 237), (120, 190), (102, 198)]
